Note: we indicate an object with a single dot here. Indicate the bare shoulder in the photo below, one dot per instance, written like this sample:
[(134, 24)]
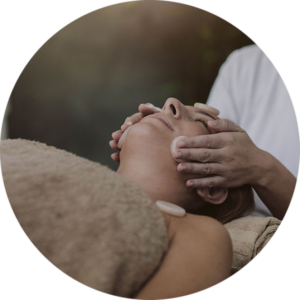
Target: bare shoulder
[(199, 256), (206, 242), (196, 224), (193, 230)]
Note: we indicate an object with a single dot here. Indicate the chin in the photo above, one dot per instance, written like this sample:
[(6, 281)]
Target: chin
[(148, 135)]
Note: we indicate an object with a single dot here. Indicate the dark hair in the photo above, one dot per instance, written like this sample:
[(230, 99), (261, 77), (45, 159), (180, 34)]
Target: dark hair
[(239, 203)]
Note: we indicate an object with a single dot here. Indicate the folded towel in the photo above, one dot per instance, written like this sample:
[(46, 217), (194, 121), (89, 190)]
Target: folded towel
[(90, 222), (249, 236)]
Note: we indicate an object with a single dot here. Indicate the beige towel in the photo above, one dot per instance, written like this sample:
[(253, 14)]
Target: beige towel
[(249, 236), (79, 215), (87, 220)]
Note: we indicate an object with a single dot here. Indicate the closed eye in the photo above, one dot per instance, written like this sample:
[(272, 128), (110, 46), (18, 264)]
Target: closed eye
[(203, 122)]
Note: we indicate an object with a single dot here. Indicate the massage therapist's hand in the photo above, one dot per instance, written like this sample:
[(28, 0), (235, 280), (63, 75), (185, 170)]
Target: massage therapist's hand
[(144, 110), (227, 158)]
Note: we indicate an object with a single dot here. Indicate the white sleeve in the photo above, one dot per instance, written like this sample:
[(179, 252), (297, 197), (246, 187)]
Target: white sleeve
[(222, 95), (250, 92)]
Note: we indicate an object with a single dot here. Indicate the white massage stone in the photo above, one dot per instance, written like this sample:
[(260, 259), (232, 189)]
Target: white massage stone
[(170, 208), (174, 147)]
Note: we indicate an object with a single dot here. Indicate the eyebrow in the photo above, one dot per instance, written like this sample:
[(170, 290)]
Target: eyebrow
[(204, 113)]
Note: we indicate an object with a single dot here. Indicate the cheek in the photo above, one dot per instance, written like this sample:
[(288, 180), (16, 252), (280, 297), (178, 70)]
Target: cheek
[(195, 129)]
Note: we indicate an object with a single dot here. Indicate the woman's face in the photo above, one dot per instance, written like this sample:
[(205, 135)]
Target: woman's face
[(184, 120), (176, 119), (146, 157)]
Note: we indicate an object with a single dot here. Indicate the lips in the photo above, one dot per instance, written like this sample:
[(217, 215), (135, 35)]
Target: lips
[(162, 117)]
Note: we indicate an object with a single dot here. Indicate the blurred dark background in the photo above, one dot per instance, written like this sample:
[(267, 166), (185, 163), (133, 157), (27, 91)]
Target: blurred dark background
[(81, 85)]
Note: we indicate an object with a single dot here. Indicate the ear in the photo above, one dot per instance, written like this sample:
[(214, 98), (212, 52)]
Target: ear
[(213, 195)]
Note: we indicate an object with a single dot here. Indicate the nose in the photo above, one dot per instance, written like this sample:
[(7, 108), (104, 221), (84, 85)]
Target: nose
[(173, 106)]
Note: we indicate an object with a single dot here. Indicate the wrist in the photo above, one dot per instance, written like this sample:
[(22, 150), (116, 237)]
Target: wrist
[(264, 166)]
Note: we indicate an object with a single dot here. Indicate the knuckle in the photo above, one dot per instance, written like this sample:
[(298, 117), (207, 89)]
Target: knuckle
[(207, 142), (226, 124), (221, 144), (230, 140), (192, 142), (227, 156), (207, 168), (187, 153), (210, 183), (190, 168), (205, 156)]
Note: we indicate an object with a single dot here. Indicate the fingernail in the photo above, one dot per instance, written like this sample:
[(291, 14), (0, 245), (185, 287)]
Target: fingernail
[(150, 105), (181, 167), (190, 183), (129, 123)]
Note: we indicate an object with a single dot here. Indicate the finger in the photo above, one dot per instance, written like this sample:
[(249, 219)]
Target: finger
[(129, 121), (199, 155), (223, 125), (201, 168), (125, 126), (207, 108), (212, 141), (115, 156), (116, 135), (145, 109), (148, 109), (135, 118), (206, 182), (114, 145)]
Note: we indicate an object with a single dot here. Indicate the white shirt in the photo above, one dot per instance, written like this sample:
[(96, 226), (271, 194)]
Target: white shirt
[(250, 92)]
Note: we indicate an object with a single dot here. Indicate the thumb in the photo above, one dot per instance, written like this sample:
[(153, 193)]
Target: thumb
[(223, 125)]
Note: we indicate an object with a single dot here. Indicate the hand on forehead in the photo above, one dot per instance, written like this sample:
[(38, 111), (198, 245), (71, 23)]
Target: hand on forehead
[(207, 108)]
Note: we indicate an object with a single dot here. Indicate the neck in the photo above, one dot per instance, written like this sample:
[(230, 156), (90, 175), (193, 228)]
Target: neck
[(159, 179)]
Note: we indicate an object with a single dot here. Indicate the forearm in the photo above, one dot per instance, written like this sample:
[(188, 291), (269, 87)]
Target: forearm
[(274, 184)]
